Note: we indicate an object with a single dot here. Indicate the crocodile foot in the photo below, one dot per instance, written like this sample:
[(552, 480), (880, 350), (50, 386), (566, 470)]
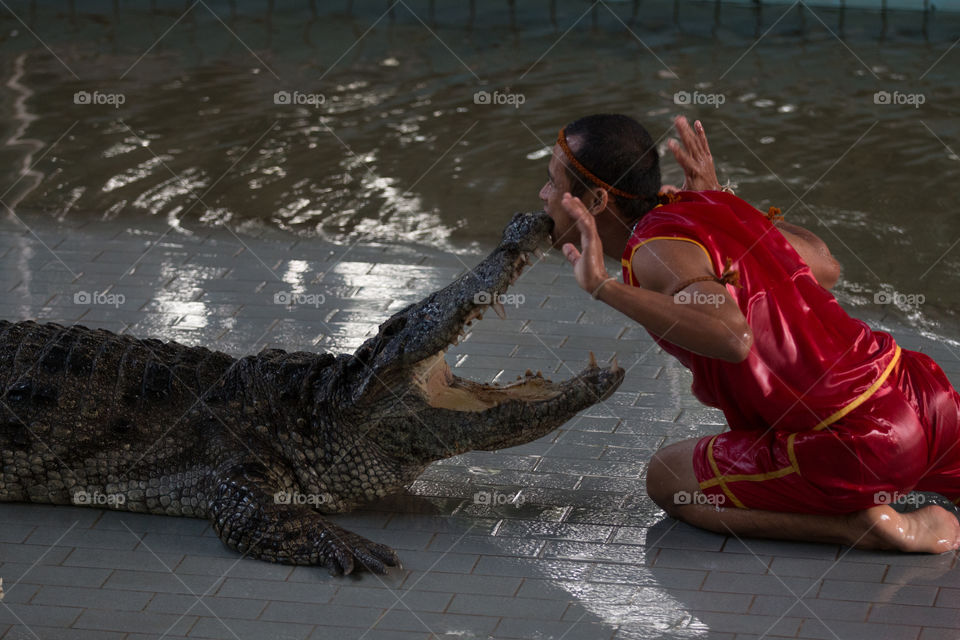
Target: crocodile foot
[(344, 550)]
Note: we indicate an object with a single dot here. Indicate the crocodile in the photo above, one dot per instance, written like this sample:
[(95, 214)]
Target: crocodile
[(268, 446)]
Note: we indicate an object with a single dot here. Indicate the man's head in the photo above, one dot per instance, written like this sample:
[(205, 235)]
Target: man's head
[(617, 159)]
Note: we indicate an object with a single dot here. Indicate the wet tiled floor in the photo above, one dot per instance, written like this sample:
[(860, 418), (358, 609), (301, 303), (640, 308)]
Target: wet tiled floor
[(554, 539)]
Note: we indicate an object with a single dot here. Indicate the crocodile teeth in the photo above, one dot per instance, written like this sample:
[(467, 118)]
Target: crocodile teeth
[(593, 360), (498, 307), (539, 253), (613, 365)]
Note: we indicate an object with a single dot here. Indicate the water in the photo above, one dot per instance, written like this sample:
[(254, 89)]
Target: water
[(399, 151)]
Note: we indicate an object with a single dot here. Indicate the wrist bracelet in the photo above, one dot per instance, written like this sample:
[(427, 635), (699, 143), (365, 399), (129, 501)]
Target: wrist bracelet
[(600, 286)]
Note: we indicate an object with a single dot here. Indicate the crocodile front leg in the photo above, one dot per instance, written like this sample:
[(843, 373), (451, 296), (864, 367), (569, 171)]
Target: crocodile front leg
[(248, 518)]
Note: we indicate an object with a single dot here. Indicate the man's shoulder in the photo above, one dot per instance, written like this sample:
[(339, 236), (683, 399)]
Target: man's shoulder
[(701, 213)]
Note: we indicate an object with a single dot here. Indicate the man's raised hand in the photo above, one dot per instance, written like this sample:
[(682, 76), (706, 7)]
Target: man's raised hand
[(694, 156), (588, 267)]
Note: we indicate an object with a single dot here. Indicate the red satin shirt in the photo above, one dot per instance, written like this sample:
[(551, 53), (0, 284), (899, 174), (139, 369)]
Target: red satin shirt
[(810, 363)]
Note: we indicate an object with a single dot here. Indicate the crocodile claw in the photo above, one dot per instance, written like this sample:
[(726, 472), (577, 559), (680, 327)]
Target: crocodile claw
[(344, 550)]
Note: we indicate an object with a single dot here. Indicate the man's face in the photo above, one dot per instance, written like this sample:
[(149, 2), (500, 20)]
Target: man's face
[(558, 183)]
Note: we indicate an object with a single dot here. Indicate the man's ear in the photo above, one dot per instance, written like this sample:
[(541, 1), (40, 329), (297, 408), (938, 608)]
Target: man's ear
[(600, 201)]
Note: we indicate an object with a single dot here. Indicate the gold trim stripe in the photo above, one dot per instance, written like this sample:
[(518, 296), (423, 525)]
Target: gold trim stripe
[(722, 480), (719, 478), (863, 396), (629, 262)]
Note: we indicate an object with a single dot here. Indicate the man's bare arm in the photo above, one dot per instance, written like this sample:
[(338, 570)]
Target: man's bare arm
[(714, 327), (706, 321), (814, 252)]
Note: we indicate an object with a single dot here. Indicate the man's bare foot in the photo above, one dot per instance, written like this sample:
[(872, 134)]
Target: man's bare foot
[(931, 529)]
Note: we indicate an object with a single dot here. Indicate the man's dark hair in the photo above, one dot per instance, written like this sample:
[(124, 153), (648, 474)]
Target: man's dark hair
[(619, 151)]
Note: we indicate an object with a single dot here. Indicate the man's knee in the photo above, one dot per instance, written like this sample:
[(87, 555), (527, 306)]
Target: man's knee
[(669, 472), (658, 481)]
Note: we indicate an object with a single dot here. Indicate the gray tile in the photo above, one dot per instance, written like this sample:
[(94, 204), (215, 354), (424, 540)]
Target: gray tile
[(275, 590), (113, 559), (326, 633), (831, 629), (932, 633), (32, 553), (631, 574), (18, 592), (410, 597), (232, 628), (765, 584), (439, 624), (134, 621), (15, 532), (419, 561), (555, 530), (55, 575), (549, 630), (160, 582), (57, 516), (206, 605), (915, 615), (831, 570), (873, 592), (628, 554), (712, 561), (807, 606), (197, 545), (569, 591), (18, 632), (458, 583), (232, 567), (118, 540), (521, 567), (111, 599), (758, 624), (37, 614), (508, 606), (947, 598), (940, 575)]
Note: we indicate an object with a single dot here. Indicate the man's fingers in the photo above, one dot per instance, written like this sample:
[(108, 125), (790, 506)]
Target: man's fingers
[(570, 253), (684, 159), (573, 205), (702, 136), (578, 211), (686, 134)]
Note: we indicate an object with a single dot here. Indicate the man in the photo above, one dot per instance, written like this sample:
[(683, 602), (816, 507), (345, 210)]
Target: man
[(829, 420)]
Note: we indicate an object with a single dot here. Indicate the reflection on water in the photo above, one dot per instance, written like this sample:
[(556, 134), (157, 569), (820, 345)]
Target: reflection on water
[(366, 126)]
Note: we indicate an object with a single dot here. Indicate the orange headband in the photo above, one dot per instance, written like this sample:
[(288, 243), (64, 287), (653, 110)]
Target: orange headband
[(562, 141)]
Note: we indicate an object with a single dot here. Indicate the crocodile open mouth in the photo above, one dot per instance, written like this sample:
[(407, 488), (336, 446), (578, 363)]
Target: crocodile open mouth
[(444, 390)]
